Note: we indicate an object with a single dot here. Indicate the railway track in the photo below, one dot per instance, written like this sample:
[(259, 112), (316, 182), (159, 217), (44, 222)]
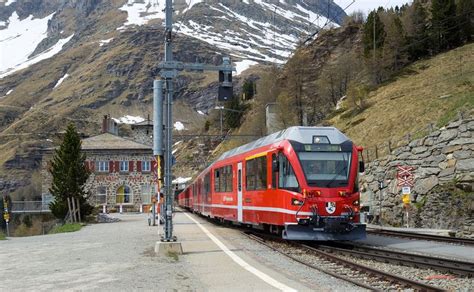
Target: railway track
[(419, 236), (444, 265), (339, 267)]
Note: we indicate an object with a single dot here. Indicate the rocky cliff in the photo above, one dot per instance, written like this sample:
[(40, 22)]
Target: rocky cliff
[(443, 193)]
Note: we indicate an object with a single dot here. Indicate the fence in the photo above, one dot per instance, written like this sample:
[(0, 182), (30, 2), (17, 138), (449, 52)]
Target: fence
[(30, 207), (381, 150)]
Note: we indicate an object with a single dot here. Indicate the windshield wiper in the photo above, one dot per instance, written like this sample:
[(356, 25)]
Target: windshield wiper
[(337, 174)]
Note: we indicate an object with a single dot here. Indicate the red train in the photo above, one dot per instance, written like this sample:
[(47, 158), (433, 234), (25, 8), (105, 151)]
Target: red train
[(302, 182)]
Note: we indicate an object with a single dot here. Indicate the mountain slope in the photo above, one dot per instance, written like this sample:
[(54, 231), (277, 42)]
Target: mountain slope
[(95, 57)]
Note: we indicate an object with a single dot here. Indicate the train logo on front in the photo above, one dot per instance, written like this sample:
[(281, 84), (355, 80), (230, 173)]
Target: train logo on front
[(331, 207)]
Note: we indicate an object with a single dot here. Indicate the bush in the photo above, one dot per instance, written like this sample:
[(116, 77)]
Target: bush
[(2, 236)]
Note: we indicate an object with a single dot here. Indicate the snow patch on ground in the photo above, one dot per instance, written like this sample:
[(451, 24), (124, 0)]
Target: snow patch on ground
[(182, 180), (179, 126), (20, 39), (9, 91), (201, 113), (340, 101), (61, 80), (142, 12), (104, 42), (128, 120), (244, 65), (9, 2), (177, 143), (46, 54)]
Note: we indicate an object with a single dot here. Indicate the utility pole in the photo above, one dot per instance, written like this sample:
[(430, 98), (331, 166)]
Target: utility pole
[(168, 71)]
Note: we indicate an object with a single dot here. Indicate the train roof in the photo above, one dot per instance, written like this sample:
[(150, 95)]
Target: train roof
[(302, 135)]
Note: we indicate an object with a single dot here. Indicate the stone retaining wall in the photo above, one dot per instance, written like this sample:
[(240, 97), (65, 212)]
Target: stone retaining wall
[(443, 164)]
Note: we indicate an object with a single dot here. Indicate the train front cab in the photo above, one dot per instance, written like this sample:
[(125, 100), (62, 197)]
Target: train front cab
[(328, 193)]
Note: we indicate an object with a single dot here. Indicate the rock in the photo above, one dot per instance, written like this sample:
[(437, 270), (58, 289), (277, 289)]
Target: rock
[(426, 171), (465, 165), (453, 125), (446, 172), (400, 150), (435, 133), (417, 142), (423, 186), (404, 155), (462, 154), (465, 135), (447, 135), (451, 162), (468, 147), (470, 126), (429, 141), (450, 149), (423, 155), (462, 128), (418, 150), (462, 141)]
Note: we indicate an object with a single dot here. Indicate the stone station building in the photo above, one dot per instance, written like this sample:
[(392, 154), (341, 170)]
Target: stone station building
[(122, 170)]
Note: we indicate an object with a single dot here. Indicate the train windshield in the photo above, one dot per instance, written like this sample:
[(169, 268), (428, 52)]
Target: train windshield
[(326, 169)]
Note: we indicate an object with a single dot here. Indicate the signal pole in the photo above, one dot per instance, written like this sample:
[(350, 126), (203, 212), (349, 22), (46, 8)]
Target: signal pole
[(168, 71)]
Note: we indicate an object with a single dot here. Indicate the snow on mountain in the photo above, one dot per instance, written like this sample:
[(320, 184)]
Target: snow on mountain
[(178, 126), (104, 42), (128, 120), (9, 2), (61, 80), (20, 39), (244, 65), (254, 30)]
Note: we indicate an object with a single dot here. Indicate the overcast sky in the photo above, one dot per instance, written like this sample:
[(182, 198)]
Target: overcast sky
[(368, 5)]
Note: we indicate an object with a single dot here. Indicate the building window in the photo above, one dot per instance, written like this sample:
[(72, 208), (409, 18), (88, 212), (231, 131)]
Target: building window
[(124, 195), (146, 166), (102, 166), (101, 195), (124, 166), (223, 179), (148, 190), (256, 174)]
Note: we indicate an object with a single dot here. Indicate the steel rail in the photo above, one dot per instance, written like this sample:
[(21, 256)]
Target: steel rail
[(406, 259), (377, 273), (347, 263), (335, 275), (411, 235)]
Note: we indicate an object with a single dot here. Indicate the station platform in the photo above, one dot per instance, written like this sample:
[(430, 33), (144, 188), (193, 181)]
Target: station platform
[(442, 249), (440, 232), (223, 259), (209, 252)]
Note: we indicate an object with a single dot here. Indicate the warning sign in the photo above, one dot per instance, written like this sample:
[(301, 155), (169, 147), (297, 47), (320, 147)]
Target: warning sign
[(406, 199)]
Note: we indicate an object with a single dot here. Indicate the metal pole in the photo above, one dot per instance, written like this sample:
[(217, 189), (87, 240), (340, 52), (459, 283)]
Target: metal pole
[(168, 76), (157, 138), (221, 119), (8, 230)]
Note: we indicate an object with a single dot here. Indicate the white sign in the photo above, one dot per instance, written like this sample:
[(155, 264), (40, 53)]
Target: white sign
[(406, 190)]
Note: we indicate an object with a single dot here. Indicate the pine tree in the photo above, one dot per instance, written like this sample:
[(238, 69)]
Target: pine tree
[(465, 12), (234, 113), (372, 27), (69, 174), (418, 40), (248, 89), (444, 25)]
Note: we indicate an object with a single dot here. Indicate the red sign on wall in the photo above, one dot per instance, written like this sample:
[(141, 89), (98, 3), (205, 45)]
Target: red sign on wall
[(405, 176)]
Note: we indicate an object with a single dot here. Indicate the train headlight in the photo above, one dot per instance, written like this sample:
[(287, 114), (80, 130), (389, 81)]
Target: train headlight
[(342, 193), (355, 203), (296, 202)]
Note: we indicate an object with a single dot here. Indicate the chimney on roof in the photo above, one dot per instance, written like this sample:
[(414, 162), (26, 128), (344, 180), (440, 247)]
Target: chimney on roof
[(105, 124), (109, 125)]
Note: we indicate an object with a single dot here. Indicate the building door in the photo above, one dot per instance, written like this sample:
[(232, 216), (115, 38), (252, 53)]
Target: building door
[(124, 195), (239, 192)]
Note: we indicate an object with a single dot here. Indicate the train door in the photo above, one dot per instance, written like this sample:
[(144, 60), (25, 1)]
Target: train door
[(239, 192)]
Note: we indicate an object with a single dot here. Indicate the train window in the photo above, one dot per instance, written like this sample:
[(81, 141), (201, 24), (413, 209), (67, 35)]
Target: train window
[(223, 179), (207, 183), (286, 175), (256, 173), (274, 172)]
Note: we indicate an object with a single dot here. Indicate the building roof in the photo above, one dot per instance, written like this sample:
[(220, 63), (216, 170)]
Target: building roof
[(109, 141), (145, 123), (303, 135)]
